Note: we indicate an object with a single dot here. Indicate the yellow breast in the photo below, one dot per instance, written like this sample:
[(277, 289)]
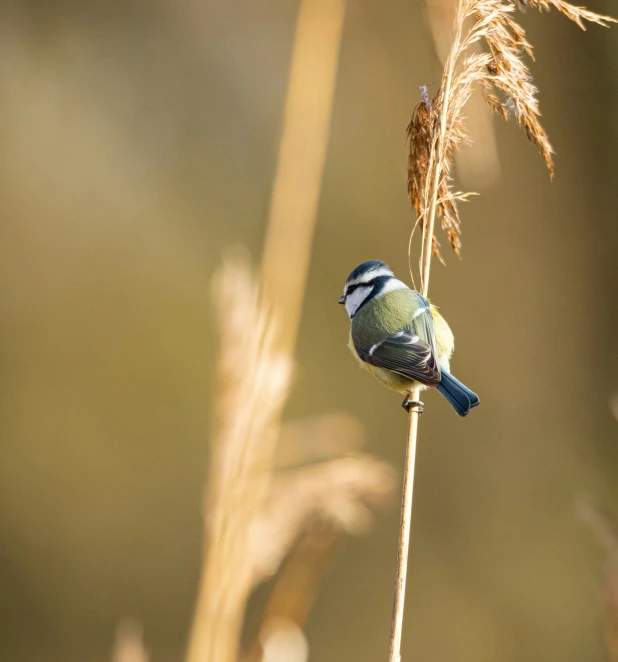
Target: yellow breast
[(445, 341)]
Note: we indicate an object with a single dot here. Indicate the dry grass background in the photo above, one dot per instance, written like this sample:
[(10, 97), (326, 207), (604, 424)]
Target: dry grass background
[(119, 197)]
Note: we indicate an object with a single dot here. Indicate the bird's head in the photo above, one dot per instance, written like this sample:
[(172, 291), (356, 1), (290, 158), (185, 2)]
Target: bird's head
[(367, 281)]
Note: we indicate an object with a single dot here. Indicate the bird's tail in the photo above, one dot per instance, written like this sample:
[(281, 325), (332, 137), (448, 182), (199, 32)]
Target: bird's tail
[(462, 399)]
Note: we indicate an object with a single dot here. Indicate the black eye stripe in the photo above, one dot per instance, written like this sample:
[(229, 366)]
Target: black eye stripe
[(369, 283)]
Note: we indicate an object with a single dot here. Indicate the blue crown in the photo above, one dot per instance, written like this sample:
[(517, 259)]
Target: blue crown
[(366, 267)]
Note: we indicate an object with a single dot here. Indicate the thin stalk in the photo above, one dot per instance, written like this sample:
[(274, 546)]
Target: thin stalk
[(429, 213), (404, 534), (436, 130), (431, 195)]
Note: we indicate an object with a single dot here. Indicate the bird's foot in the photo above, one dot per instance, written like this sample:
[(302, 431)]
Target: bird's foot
[(413, 405)]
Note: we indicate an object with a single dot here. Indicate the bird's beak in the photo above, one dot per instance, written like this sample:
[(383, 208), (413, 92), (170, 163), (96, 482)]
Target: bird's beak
[(341, 299)]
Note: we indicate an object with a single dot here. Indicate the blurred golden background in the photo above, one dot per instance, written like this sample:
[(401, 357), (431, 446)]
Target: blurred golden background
[(139, 142)]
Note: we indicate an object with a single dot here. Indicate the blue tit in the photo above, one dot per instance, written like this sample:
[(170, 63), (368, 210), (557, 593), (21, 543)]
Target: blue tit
[(400, 338)]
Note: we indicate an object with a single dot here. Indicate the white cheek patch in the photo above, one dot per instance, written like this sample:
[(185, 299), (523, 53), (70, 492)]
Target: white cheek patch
[(391, 285), (354, 300)]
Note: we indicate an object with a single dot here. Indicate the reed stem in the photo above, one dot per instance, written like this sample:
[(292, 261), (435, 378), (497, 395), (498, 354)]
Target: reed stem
[(436, 130), (404, 534), (224, 587), (429, 213)]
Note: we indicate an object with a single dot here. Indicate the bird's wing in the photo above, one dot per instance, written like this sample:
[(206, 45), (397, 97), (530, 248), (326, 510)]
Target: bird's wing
[(422, 322), (405, 353)]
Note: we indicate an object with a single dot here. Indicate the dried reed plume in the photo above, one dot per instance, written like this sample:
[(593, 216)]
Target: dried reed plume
[(437, 129), (250, 527), (255, 515), (478, 165), (253, 378)]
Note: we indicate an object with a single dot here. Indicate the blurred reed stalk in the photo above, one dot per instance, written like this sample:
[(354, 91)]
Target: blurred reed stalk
[(302, 153), (252, 382), (253, 515), (436, 131)]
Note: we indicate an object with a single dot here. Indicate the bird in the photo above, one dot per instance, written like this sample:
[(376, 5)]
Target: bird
[(400, 337)]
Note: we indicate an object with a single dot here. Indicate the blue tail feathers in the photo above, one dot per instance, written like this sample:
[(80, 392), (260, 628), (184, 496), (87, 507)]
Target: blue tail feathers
[(461, 398)]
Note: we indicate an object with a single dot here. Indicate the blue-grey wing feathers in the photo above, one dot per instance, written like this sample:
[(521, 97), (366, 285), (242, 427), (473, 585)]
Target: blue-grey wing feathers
[(410, 352), (406, 354), (422, 322)]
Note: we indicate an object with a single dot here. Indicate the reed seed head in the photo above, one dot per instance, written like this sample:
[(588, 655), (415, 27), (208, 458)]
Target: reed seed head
[(438, 127)]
